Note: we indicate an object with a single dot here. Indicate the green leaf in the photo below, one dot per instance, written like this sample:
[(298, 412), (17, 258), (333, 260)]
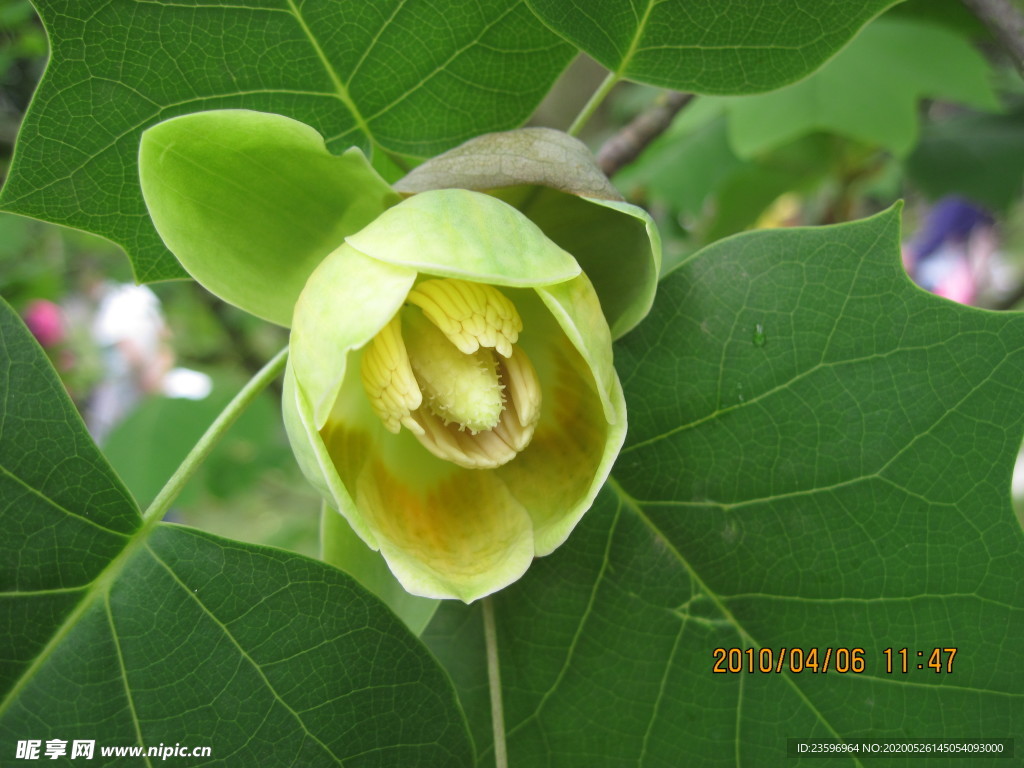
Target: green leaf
[(977, 156), (250, 203), (870, 91), (405, 76), (83, 508), (140, 633), (819, 457), (701, 46)]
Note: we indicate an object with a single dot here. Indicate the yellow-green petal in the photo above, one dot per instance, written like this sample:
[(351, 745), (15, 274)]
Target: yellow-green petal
[(250, 202), (445, 531), (575, 307), (462, 534), (582, 426), (313, 458), (346, 301), (468, 235), (615, 243)]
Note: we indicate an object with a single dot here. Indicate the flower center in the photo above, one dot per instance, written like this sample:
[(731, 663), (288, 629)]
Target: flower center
[(448, 369)]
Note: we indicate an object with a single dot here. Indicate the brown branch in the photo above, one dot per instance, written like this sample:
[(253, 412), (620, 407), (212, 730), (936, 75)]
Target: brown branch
[(626, 145), (1005, 22)]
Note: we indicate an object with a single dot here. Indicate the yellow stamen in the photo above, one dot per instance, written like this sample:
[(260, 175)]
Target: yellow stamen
[(484, 450), (523, 387), (389, 381), (448, 386), (471, 315)]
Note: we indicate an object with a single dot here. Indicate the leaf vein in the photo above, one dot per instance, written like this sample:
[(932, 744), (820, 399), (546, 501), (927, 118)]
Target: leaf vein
[(635, 507), (124, 675), (60, 507), (244, 654), (339, 86), (661, 694), (428, 76), (579, 629)]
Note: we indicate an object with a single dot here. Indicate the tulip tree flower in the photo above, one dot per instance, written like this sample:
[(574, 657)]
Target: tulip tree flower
[(450, 388)]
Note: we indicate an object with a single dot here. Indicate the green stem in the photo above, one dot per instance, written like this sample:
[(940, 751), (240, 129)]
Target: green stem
[(201, 450), (494, 681), (592, 104)]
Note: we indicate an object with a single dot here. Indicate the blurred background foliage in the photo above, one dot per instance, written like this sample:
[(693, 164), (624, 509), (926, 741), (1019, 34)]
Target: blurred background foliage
[(841, 144), (849, 140)]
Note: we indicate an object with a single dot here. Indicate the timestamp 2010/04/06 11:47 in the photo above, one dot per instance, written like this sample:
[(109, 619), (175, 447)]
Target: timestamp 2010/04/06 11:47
[(820, 660)]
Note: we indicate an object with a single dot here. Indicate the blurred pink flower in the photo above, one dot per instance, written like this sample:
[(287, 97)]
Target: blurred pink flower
[(45, 321)]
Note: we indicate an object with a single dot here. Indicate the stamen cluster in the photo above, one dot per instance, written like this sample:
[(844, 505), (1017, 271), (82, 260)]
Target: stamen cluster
[(447, 367)]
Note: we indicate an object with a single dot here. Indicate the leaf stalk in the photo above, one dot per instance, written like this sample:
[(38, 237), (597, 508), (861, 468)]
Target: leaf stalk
[(592, 104), (494, 684), (201, 450)]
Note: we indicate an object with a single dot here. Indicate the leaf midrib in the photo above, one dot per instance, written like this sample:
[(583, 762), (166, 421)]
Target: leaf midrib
[(634, 44), (98, 588), (626, 500), (340, 88)]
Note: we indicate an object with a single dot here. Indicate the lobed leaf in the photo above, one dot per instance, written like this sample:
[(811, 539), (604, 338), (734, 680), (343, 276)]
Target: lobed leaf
[(819, 457)]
